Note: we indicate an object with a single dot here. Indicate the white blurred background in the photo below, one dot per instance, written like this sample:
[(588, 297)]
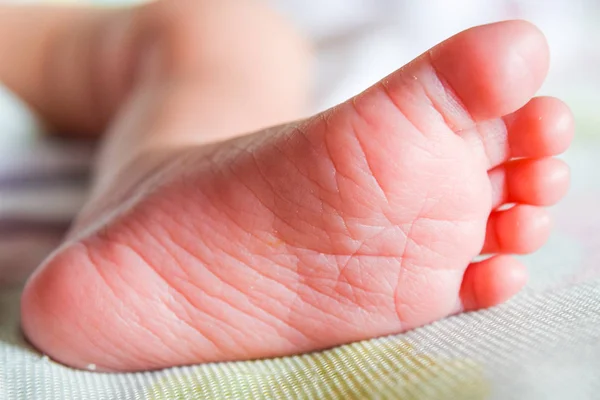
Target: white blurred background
[(360, 41)]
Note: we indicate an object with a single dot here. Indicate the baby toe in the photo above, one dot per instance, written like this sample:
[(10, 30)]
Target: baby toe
[(521, 229), (540, 182), (543, 127), (491, 282)]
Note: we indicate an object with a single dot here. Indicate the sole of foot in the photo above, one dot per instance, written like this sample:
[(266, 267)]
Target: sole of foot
[(359, 222)]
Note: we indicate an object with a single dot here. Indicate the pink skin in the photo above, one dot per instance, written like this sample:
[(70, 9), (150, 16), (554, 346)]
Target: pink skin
[(356, 223)]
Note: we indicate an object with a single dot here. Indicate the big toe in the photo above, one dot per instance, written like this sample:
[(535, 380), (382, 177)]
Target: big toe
[(493, 69)]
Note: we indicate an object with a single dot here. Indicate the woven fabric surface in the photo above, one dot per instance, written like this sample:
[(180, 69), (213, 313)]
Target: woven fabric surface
[(539, 346)]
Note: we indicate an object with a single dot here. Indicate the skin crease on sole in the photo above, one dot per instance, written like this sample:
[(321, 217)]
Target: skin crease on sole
[(359, 222)]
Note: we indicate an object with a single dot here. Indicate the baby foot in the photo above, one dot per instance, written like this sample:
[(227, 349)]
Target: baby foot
[(360, 222)]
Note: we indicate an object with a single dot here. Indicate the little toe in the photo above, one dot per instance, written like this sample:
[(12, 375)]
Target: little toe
[(521, 229), (491, 282), (540, 182)]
